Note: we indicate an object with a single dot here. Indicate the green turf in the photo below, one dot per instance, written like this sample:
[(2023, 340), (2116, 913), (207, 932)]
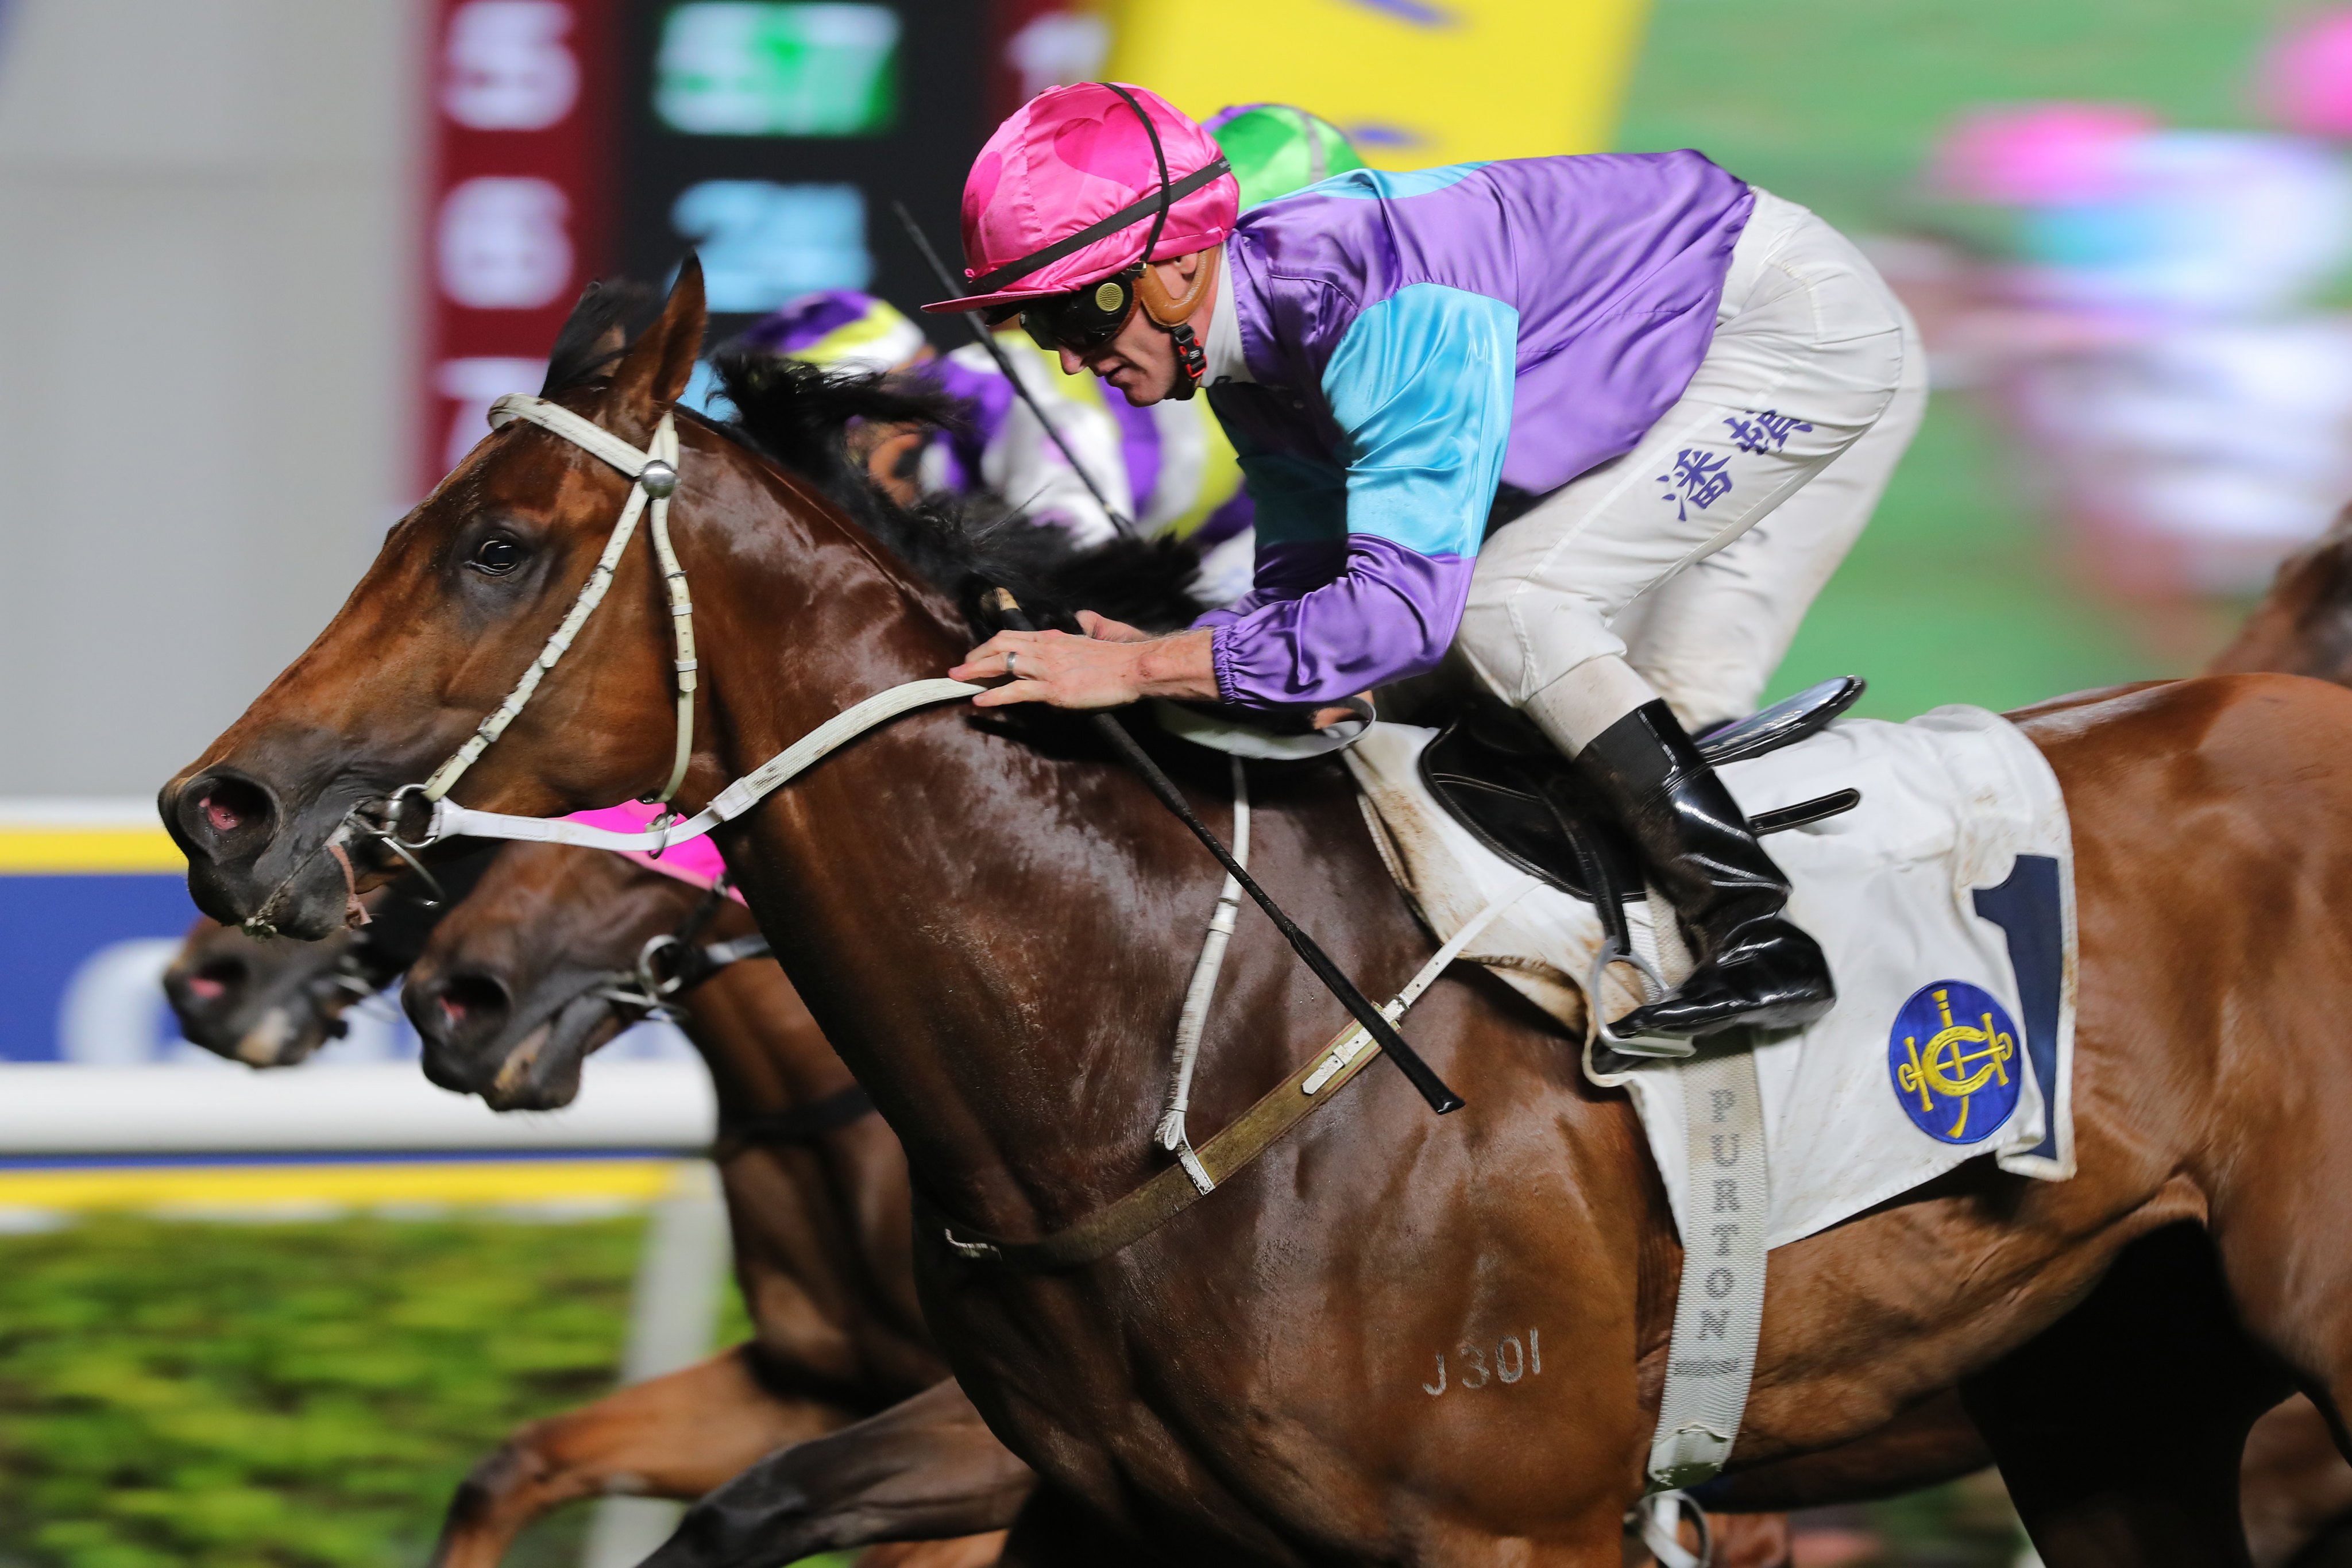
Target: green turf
[(191, 1395)]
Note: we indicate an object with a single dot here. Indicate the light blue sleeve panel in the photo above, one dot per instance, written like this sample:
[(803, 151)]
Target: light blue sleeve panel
[(1422, 385), (1296, 497)]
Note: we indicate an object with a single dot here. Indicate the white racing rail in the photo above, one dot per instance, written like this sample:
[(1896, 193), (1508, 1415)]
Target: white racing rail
[(58, 1109)]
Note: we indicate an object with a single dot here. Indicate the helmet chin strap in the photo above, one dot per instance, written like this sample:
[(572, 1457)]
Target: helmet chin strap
[(1172, 314)]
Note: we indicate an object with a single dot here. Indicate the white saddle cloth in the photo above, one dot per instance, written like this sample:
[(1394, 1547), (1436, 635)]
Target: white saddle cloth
[(1945, 902)]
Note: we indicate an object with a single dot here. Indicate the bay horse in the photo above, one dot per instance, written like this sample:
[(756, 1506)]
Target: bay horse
[(990, 922), (546, 916)]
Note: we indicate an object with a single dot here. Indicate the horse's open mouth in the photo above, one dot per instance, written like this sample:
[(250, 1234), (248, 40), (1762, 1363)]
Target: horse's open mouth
[(532, 1057), (267, 1005)]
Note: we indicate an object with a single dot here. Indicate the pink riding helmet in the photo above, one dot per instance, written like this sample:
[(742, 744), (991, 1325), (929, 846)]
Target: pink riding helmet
[(1073, 160)]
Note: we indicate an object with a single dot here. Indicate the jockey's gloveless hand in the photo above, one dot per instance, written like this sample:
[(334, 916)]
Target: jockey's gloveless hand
[(1113, 665)]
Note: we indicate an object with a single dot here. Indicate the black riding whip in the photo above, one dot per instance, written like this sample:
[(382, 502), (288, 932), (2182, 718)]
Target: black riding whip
[(987, 340), (1418, 1072)]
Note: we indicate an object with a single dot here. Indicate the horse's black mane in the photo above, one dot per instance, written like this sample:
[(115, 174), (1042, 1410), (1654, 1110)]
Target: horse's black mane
[(799, 416)]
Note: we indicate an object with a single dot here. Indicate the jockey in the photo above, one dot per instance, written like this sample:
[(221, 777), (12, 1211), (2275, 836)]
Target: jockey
[(1169, 467), (1680, 396)]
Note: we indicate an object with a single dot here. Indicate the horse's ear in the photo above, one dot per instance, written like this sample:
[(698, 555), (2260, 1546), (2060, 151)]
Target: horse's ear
[(655, 371)]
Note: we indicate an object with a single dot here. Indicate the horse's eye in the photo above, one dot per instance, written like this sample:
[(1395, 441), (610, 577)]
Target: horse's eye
[(497, 556)]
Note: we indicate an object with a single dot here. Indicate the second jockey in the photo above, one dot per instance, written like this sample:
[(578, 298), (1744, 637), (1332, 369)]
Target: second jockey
[(1685, 392)]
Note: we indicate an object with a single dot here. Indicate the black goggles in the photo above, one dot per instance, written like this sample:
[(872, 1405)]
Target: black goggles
[(1084, 319)]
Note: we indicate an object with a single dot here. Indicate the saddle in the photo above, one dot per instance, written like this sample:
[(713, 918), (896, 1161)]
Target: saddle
[(1501, 778)]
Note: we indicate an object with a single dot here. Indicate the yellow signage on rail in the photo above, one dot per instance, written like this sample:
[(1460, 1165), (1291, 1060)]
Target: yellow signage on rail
[(47, 838), (1414, 83), (300, 1189)]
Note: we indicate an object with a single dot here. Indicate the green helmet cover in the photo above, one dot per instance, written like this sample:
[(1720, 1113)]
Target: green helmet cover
[(1276, 149)]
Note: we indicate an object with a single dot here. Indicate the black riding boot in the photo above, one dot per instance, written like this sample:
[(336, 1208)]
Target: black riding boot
[(1755, 966)]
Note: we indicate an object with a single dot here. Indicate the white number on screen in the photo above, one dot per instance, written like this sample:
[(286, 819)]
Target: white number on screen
[(509, 66), (473, 384), (504, 244)]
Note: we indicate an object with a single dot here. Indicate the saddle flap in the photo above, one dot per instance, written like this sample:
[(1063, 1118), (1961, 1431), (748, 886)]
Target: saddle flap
[(1532, 810)]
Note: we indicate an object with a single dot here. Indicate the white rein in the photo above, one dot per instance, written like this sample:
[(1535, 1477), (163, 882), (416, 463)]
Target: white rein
[(654, 477)]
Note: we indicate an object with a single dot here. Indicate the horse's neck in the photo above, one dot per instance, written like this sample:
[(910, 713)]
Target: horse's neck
[(996, 941)]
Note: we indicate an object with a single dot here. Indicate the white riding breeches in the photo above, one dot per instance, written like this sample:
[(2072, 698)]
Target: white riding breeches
[(1694, 557)]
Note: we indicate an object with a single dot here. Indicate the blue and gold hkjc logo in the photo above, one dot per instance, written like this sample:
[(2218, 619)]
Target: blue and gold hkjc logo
[(1953, 1055)]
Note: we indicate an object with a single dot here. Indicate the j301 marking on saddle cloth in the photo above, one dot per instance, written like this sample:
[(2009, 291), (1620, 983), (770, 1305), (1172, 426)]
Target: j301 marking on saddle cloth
[(1952, 1056)]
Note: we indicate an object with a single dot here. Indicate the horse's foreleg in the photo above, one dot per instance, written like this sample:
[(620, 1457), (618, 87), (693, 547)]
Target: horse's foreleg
[(925, 1469), (674, 1436), (2119, 1429), (2297, 1488)]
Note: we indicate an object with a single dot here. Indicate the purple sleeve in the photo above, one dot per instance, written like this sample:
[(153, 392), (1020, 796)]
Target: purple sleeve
[(1328, 620)]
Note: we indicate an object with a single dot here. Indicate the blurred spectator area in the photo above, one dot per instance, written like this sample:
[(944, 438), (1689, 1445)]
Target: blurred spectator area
[(2163, 475)]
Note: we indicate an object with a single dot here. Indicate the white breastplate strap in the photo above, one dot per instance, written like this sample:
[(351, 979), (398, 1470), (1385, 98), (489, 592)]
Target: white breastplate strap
[(1711, 1359), (656, 475), (451, 820)]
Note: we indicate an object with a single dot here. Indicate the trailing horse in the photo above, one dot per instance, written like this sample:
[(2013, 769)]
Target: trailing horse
[(525, 978), (990, 923)]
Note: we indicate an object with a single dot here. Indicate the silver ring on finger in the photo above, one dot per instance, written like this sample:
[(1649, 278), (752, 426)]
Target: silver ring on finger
[(1010, 672)]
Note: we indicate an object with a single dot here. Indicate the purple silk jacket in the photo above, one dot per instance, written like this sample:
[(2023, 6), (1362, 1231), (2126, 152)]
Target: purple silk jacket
[(1414, 340)]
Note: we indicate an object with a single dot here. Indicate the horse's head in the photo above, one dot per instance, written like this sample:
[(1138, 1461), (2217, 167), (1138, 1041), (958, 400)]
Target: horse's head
[(813, 590), (539, 968), (457, 605), (264, 1004)]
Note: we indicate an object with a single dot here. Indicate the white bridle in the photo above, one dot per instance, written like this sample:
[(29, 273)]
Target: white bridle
[(653, 474)]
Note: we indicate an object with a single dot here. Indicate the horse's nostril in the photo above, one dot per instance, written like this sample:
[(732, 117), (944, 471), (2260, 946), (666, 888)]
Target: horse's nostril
[(227, 807), (214, 980), (471, 998)]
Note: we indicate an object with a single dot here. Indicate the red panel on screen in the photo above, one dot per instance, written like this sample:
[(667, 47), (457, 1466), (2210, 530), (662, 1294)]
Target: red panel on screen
[(519, 210)]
